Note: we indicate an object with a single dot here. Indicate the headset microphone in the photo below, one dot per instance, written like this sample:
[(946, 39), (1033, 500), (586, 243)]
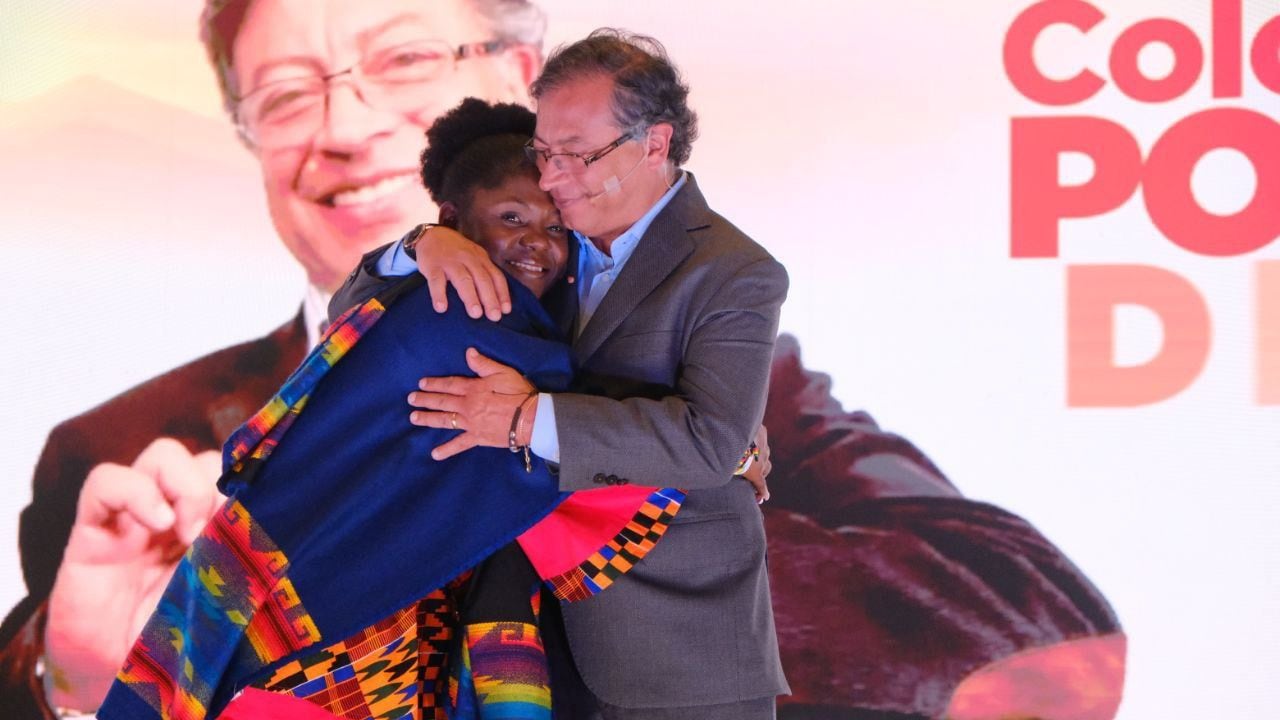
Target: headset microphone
[(613, 183)]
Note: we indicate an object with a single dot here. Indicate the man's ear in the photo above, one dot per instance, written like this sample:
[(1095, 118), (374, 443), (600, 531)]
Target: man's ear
[(449, 214), (658, 144), (525, 62)]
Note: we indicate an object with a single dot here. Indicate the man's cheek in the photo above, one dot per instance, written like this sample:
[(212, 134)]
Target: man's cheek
[(281, 170), (287, 208)]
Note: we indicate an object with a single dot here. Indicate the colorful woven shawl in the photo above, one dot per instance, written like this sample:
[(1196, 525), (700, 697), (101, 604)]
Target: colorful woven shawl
[(350, 520)]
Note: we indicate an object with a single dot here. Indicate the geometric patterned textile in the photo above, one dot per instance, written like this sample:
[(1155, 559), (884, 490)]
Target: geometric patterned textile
[(232, 582), (437, 624), (508, 669), (621, 552), (260, 434), (393, 669), (345, 520), (371, 675)]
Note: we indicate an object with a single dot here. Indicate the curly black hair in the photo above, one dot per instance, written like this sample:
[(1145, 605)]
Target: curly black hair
[(475, 145)]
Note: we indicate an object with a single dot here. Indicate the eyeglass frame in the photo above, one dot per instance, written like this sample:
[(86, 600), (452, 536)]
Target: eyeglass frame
[(587, 159), (483, 48)]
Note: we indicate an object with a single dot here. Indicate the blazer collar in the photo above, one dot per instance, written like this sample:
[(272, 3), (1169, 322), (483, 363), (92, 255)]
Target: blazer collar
[(661, 249)]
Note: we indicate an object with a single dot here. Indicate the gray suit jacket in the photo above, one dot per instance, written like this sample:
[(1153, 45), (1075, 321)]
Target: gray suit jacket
[(672, 375), (673, 369)]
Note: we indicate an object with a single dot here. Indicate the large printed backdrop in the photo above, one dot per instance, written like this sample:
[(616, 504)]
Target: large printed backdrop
[(870, 146)]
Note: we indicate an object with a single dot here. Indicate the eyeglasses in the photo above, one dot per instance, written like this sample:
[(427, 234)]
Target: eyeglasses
[(397, 78), (572, 162)]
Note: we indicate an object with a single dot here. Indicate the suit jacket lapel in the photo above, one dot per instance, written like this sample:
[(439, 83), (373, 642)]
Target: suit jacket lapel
[(662, 248)]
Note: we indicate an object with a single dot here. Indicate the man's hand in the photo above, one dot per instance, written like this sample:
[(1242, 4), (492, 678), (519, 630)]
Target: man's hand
[(132, 526), (482, 407), (446, 257), (758, 473)]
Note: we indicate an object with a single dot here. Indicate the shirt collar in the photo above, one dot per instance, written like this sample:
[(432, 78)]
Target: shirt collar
[(594, 260), (315, 312)]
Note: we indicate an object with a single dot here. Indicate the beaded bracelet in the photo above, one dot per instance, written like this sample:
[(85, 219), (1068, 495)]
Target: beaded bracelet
[(514, 432)]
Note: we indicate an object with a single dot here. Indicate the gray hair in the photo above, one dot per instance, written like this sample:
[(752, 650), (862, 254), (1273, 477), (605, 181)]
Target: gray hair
[(647, 87), (514, 21)]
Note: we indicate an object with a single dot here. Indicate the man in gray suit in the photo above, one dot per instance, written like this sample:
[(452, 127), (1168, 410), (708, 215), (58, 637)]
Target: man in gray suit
[(674, 319)]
